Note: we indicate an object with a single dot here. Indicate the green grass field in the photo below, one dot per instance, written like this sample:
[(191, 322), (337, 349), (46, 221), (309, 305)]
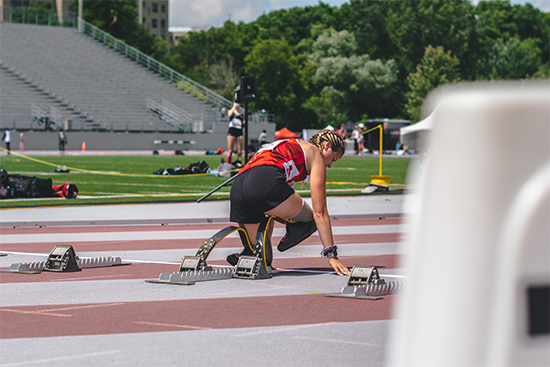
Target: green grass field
[(126, 179)]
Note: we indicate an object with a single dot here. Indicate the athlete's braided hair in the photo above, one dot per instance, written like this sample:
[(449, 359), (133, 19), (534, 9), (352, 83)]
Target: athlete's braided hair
[(335, 140)]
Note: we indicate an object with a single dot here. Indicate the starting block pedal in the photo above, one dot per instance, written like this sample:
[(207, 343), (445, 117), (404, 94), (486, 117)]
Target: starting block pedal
[(193, 263), (364, 275), (250, 267), (63, 258)]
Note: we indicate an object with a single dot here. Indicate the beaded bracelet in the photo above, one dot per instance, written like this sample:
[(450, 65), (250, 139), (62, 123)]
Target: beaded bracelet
[(330, 251)]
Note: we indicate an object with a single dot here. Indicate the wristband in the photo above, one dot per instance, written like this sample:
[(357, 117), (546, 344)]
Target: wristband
[(330, 251)]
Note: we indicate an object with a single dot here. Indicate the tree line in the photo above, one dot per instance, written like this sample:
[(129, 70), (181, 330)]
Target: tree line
[(322, 65)]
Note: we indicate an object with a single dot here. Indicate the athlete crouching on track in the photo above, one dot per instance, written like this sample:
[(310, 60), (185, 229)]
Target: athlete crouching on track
[(264, 187)]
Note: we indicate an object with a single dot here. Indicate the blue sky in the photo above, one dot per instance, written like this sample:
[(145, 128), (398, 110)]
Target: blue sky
[(213, 13)]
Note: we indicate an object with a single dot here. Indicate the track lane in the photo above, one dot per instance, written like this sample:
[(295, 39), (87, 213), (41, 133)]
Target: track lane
[(178, 315)]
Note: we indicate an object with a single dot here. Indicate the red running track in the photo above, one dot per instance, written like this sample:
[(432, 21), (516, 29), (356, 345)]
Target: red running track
[(185, 314)]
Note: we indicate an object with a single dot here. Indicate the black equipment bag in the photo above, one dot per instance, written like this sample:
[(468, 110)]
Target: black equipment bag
[(17, 186)]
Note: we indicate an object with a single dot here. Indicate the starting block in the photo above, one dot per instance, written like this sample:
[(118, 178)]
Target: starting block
[(194, 268), (193, 263), (63, 259), (364, 282), (364, 275), (250, 267)]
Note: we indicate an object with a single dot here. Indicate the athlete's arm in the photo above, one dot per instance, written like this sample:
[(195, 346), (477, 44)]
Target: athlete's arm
[(317, 180), (232, 110)]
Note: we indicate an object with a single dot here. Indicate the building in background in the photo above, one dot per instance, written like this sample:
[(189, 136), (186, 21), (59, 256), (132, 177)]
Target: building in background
[(153, 15)]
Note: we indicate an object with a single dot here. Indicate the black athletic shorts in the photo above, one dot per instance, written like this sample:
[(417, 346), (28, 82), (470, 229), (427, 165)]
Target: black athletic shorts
[(256, 191), (233, 131)]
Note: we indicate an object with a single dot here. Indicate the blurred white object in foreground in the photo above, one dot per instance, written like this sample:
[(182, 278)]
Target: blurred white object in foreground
[(479, 264)]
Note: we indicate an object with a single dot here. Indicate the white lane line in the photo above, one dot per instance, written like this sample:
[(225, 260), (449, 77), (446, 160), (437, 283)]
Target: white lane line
[(23, 253), (174, 235), (172, 325), (283, 329), (335, 341), (48, 312), (59, 359)]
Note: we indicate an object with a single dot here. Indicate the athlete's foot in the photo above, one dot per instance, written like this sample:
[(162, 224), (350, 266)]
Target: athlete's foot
[(233, 259)]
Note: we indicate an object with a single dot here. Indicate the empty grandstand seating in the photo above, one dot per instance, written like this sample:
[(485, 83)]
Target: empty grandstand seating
[(92, 86)]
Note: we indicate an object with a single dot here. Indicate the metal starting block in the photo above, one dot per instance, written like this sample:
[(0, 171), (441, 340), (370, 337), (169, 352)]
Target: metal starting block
[(194, 268), (62, 258), (364, 275), (193, 263), (364, 282), (250, 267)]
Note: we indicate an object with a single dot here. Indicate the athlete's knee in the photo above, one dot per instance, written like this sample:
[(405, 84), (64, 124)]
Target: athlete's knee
[(305, 214)]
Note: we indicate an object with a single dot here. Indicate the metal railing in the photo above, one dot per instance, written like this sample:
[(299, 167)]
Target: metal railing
[(51, 119), (166, 72), (48, 17), (171, 114)]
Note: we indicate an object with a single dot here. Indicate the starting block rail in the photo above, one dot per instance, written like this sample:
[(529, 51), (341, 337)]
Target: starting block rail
[(196, 276), (248, 267), (84, 263), (373, 290)]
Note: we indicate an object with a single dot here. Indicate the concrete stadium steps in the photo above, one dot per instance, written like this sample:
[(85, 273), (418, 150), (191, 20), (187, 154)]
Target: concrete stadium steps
[(84, 79)]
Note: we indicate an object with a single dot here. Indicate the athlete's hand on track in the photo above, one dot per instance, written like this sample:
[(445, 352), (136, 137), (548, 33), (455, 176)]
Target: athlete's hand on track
[(338, 267)]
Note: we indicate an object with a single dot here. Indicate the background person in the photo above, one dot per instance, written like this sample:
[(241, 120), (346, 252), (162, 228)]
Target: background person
[(21, 141), (61, 140), (235, 132), (262, 139), (342, 131), (361, 139), (355, 136), (264, 188), (7, 140)]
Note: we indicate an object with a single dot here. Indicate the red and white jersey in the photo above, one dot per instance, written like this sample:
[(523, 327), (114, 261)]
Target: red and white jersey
[(287, 154)]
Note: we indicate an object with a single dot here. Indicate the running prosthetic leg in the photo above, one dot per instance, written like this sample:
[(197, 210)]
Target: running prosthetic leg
[(296, 232), (233, 259), (262, 247), (258, 265)]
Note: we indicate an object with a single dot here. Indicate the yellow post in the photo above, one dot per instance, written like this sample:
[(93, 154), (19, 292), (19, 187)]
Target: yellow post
[(380, 150), (380, 179)]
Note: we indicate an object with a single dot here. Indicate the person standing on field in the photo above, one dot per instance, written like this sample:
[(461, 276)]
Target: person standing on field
[(235, 132), (7, 140)]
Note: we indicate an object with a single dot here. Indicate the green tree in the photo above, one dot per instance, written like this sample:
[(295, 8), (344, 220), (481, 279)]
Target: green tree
[(366, 19), (327, 107), (119, 18), (224, 78), (511, 37), (364, 86), (197, 53), (278, 80), (295, 24), (511, 59), (413, 25), (35, 13), (436, 68)]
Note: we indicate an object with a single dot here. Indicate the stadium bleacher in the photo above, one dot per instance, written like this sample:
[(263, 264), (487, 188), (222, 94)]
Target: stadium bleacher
[(93, 87)]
